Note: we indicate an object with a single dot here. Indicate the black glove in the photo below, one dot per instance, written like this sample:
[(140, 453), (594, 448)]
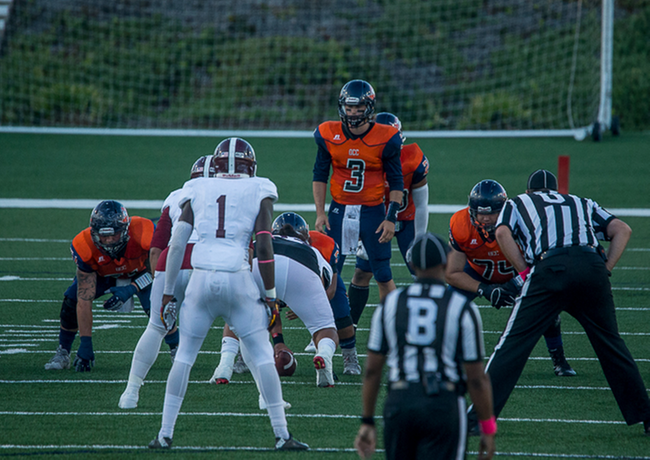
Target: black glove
[(83, 365), (85, 359), (120, 295), (498, 294)]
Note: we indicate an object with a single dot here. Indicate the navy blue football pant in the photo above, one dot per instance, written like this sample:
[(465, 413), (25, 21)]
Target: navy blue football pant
[(404, 234), (370, 219)]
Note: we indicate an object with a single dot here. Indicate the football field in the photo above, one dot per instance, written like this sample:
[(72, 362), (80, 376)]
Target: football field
[(64, 414)]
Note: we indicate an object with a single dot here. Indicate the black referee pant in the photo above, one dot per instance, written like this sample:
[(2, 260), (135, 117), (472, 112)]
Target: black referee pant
[(421, 427), (576, 282)]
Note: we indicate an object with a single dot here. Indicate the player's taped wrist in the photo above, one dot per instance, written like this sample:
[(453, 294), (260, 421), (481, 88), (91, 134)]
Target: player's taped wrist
[(143, 281), (368, 421), (391, 212), (271, 294), (489, 426), (524, 273), (278, 338)]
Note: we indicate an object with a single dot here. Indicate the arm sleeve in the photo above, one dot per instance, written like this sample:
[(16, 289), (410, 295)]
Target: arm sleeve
[(421, 200), (175, 255), (323, 160), (392, 163), (163, 231)]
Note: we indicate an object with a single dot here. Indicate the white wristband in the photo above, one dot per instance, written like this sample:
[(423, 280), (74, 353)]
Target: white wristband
[(270, 293)]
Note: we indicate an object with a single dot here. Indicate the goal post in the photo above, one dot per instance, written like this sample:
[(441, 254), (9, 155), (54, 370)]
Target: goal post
[(447, 68)]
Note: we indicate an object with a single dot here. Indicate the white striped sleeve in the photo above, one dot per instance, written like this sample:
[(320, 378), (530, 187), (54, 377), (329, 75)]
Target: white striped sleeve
[(471, 325)]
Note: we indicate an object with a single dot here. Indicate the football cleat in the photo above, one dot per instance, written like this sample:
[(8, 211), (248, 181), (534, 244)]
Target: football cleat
[(222, 374), (129, 399), (324, 375), (311, 348), (351, 364), (60, 360), (240, 366), (161, 442), (290, 444), (263, 406), (560, 365)]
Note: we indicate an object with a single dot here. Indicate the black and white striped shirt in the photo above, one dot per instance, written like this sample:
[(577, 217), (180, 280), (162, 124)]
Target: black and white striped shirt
[(426, 328), (540, 221)]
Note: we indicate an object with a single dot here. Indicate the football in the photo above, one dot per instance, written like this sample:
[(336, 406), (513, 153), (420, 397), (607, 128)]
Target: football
[(285, 363)]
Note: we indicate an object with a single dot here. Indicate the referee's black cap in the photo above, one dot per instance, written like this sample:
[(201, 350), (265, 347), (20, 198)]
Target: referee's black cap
[(541, 180), (428, 251)]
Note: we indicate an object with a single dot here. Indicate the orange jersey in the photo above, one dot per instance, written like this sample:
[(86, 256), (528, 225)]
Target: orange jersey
[(326, 246), (484, 257), (89, 256), (415, 168), (358, 165)]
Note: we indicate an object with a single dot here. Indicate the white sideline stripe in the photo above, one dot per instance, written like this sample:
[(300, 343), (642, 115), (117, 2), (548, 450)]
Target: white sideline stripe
[(577, 133), (18, 278), (35, 258), (264, 414), (284, 382), (301, 207), (142, 315), (176, 448), (347, 262), (311, 449)]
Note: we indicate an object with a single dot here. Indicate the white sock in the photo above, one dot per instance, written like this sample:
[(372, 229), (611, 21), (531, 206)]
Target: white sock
[(174, 394), (269, 385), (145, 354), (229, 345), (326, 348)]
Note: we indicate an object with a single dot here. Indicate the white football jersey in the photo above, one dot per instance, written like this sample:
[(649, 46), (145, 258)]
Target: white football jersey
[(225, 211), (171, 202)]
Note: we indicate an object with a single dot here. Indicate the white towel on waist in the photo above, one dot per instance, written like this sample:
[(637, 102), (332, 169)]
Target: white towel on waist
[(350, 230)]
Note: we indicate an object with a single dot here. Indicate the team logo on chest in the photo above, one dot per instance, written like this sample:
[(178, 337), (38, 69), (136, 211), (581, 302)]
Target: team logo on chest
[(353, 152), (474, 242)]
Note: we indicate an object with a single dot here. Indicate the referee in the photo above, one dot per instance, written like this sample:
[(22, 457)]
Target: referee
[(564, 269), (431, 338)]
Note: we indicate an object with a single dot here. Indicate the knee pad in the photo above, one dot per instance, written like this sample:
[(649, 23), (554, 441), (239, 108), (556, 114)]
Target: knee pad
[(383, 274), (342, 323), (69, 314)]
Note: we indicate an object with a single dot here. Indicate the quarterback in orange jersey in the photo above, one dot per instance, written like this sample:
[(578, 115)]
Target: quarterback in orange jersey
[(362, 155), (111, 256), (412, 216), (476, 265)]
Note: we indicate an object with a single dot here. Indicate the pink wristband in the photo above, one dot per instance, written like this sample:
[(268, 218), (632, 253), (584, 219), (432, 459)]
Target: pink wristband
[(265, 261), (525, 273), (488, 427), (263, 232)]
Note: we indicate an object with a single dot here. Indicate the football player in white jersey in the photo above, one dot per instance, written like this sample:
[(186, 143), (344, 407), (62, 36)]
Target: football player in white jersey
[(225, 211), (146, 351), (302, 277)]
